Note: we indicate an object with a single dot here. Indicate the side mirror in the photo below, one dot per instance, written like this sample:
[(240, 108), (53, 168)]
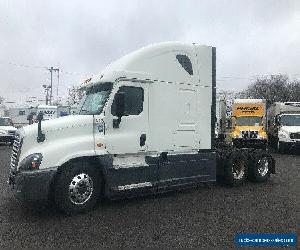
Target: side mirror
[(233, 122), (120, 108), (277, 121), (120, 104), (41, 136), (40, 116)]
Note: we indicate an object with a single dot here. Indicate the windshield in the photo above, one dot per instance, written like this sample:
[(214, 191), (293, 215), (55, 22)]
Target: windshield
[(290, 120), (249, 121), (5, 121), (95, 99)]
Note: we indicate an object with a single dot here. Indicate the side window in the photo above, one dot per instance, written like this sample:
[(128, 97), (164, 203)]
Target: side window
[(185, 62), (134, 99), (21, 112)]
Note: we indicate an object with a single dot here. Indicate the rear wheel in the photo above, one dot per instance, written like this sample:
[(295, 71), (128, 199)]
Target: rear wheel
[(77, 188), (235, 169)]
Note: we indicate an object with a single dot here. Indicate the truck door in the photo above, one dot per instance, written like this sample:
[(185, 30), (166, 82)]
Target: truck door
[(130, 135), (127, 142)]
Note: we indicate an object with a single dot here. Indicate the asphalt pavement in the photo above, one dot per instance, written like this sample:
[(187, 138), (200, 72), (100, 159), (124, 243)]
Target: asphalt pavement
[(206, 216)]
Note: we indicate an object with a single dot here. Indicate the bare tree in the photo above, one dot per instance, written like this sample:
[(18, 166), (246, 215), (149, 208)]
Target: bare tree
[(274, 88), (294, 89), (227, 94), (75, 94)]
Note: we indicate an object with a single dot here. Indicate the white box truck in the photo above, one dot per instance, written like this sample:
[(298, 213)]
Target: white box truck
[(49, 111), (284, 126), (145, 125)]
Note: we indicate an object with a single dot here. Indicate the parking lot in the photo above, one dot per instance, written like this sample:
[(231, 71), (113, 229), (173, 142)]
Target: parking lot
[(209, 215)]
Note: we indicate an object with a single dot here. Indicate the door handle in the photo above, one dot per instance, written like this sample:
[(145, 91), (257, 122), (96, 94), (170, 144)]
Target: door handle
[(142, 140)]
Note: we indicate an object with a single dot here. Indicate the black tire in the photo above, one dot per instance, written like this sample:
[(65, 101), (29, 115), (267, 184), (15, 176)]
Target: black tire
[(77, 188), (260, 165), (235, 169), (236, 144), (271, 141), (280, 148)]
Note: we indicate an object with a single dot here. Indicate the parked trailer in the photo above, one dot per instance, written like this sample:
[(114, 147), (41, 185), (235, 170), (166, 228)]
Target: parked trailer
[(20, 115), (146, 125), (284, 126)]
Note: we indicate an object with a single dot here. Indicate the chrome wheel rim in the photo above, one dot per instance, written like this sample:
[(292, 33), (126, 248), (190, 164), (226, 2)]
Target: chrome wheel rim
[(80, 189), (263, 166), (238, 170)]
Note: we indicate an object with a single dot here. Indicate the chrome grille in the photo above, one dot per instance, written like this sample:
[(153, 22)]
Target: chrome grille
[(11, 132), (295, 135), (248, 134), (15, 154)]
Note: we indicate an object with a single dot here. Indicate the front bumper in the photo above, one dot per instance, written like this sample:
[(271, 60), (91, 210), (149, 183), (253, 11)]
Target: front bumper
[(291, 145), (7, 138), (32, 186), (249, 143)]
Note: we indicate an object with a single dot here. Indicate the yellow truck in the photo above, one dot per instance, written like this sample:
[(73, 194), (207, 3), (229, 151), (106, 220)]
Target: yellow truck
[(249, 123)]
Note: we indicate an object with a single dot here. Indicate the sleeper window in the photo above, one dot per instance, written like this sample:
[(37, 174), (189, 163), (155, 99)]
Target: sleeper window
[(185, 62)]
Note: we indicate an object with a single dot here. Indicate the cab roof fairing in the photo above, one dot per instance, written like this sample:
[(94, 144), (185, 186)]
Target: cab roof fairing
[(155, 62)]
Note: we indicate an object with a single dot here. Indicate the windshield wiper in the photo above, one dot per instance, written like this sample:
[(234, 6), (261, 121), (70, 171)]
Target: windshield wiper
[(84, 112)]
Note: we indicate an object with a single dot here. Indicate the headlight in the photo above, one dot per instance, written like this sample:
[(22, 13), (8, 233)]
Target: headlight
[(31, 162), (262, 136), (282, 135), (3, 132)]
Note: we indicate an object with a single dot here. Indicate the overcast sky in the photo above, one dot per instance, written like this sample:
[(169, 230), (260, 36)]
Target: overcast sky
[(81, 37)]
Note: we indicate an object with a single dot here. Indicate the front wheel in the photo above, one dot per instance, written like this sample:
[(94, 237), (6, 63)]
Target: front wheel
[(280, 148), (77, 188), (260, 166)]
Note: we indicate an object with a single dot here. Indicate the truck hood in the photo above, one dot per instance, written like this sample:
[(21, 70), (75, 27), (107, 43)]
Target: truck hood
[(8, 128), (60, 123), (64, 137), (290, 129)]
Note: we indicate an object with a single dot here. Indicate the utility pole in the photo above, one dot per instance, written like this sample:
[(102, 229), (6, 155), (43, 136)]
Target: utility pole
[(57, 82), (51, 84), (47, 92)]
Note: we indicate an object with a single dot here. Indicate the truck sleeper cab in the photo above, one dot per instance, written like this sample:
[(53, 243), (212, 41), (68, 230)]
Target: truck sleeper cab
[(145, 125)]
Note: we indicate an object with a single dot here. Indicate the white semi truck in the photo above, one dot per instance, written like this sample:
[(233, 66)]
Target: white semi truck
[(284, 126), (146, 125)]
